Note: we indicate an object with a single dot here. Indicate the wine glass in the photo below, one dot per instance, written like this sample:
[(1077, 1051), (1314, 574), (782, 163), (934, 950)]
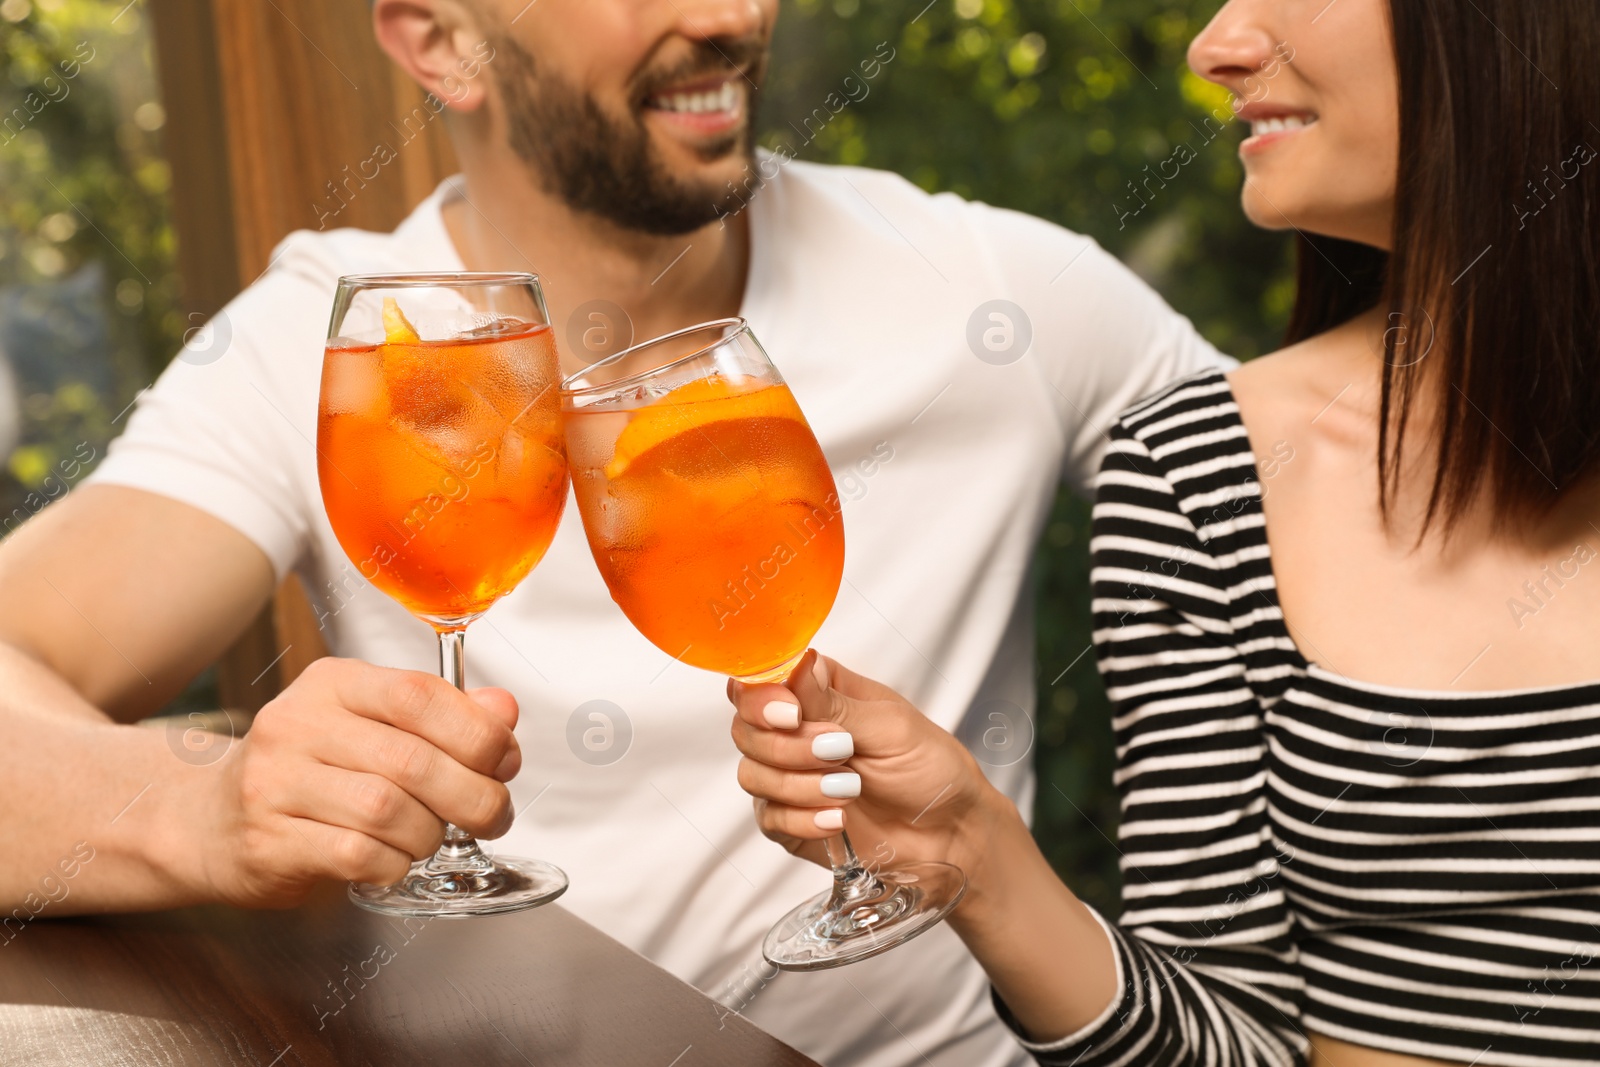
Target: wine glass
[(444, 473), (713, 517)]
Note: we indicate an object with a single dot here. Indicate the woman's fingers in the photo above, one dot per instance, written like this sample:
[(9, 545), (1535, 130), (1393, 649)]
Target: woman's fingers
[(814, 746), (807, 698), (799, 829), (768, 706), (804, 789), (811, 684)]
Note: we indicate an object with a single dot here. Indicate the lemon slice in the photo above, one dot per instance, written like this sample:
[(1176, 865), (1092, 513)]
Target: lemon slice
[(397, 329), (695, 406)]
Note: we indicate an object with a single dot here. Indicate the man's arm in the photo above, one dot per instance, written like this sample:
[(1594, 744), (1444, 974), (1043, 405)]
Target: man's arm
[(1101, 336), (126, 595), (110, 601)]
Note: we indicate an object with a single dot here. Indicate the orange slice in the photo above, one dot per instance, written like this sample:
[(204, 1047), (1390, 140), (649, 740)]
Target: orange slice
[(397, 329), (693, 406)]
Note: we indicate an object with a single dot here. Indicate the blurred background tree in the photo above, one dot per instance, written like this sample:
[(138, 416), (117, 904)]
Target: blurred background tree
[(1053, 107)]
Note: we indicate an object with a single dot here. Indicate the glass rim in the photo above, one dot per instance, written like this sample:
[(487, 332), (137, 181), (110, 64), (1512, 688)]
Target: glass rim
[(438, 279), (740, 326)]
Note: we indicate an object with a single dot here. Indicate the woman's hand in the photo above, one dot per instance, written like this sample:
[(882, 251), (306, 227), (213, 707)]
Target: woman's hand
[(833, 748)]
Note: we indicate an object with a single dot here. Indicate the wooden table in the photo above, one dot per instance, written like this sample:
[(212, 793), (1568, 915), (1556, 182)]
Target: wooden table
[(329, 984)]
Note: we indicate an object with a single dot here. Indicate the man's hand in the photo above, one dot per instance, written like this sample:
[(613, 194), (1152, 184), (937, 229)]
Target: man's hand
[(350, 774)]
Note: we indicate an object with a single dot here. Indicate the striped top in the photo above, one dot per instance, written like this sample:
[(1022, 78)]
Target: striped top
[(1411, 871)]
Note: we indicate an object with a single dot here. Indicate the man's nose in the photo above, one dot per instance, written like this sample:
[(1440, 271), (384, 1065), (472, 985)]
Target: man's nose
[(719, 18)]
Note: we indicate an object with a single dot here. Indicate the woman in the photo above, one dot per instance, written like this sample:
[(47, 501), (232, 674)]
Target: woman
[(1357, 716)]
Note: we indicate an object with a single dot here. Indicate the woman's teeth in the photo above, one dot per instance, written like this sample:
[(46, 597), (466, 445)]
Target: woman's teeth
[(723, 99), (1281, 124)]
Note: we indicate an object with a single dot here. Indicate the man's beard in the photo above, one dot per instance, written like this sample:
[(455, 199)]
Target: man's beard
[(606, 167)]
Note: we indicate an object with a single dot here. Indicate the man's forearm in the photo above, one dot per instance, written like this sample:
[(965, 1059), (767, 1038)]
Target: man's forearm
[(90, 811)]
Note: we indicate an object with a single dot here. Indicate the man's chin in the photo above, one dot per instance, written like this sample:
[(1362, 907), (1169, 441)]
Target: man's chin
[(701, 159), (711, 176)]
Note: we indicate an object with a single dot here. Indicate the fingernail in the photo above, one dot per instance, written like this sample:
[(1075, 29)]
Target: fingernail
[(819, 672), (781, 715), (833, 746), (841, 786), (831, 819), (509, 765)]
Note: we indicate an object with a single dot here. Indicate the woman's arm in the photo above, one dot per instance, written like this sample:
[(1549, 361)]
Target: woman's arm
[(1200, 969)]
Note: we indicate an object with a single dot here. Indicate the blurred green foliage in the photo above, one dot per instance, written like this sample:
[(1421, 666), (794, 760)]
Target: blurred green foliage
[(88, 294), (88, 287), (1052, 107)]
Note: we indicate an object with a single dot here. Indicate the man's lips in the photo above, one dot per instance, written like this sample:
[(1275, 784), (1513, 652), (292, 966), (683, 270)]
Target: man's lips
[(713, 105)]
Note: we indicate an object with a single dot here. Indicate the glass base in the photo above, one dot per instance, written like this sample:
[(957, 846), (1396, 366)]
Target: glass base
[(486, 887), (861, 918)]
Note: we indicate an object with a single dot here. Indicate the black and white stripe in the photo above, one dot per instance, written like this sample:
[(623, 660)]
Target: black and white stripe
[(1411, 871)]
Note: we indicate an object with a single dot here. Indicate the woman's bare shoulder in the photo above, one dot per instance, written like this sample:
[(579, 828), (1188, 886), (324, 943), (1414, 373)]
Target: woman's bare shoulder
[(1329, 381)]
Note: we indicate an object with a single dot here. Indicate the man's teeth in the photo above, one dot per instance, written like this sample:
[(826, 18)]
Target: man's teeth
[(1280, 123), (723, 99)]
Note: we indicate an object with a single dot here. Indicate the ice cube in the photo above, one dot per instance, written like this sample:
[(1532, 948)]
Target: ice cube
[(527, 465), (592, 437), (499, 326), (621, 518), (453, 426), (352, 382), (520, 376)]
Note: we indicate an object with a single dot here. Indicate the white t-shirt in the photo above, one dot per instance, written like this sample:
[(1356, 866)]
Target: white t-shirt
[(866, 292)]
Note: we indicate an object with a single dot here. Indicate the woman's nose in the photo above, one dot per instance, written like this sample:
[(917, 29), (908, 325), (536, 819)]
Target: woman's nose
[(1237, 43)]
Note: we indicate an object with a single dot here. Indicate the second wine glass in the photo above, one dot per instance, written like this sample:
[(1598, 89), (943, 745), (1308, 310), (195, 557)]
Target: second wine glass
[(714, 519)]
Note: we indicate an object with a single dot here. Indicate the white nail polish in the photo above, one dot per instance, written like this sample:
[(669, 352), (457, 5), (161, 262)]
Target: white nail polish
[(781, 715), (819, 672), (835, 746), (841, 786), (830, 819)]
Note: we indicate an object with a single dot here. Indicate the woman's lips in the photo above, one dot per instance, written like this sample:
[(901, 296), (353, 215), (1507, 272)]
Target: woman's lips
[(1267, 129)]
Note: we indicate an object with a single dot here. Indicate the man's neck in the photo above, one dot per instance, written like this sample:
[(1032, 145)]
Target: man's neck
[(506, 221)]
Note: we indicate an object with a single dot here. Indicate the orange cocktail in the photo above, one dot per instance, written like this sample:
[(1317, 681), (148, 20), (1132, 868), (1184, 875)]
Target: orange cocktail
[(714, 520), (707, 501), (442, 463)]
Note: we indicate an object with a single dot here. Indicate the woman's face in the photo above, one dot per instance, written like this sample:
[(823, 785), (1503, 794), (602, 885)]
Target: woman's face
[(1316, 81)]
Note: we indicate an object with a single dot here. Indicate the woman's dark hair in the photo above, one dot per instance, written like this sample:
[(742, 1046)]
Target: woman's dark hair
[(1493, 285)]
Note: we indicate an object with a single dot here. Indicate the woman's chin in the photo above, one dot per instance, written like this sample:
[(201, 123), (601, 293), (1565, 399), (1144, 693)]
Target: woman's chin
[(1283, 209), (1263, 208)]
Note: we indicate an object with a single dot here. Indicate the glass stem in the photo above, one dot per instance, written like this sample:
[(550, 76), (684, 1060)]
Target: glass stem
[(458, 849), (851, 880)]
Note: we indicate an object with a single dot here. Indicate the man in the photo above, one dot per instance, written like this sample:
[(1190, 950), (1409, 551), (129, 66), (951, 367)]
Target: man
[(955, 360)]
